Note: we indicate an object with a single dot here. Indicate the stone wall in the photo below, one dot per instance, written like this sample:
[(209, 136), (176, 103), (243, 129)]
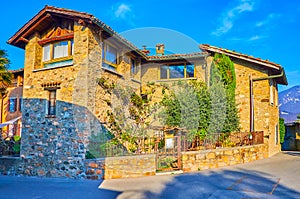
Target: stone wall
[(94, 168), (134, 166), (208, 159), (130, 166), (56, 146)]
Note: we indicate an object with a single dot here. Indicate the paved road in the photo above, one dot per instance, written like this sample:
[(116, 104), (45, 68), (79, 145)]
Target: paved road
[(275, 177)]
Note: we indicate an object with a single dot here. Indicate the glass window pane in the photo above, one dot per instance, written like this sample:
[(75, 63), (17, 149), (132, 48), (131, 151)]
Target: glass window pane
[(72, 47), (133, 66), (176, 71), (190, 72), (164, 72), (46, 49), (52, 102), (60, 49), (111, 54), (12, 105)]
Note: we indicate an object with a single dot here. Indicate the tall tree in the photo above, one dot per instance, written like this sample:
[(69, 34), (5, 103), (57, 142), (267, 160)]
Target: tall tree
[(5, 75), (281, 130), (223, 73)]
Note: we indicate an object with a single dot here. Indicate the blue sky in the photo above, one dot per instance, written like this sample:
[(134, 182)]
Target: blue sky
[(268, 29)]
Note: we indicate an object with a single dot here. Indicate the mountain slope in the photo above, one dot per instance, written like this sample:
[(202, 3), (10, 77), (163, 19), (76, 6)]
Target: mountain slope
[(289, 104)]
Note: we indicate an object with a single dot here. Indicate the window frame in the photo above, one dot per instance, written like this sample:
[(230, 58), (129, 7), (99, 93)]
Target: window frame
[(51, 45), (168, 75), (49, 103), (133, 66), (15, 104), (106, 63)]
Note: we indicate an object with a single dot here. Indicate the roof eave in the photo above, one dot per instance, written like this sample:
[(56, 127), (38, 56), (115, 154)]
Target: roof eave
[(118, 37), (208, 48), (18, 39), (179, 58)]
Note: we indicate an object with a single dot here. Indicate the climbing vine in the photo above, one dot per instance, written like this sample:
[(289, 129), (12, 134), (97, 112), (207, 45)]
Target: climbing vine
[(129, 114), (223, 74)]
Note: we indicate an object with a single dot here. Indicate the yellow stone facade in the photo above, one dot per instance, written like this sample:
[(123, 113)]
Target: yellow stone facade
[(82, 104), (266, 114)]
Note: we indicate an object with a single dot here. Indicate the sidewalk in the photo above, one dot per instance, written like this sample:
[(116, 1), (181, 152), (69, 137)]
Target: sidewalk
[(275, 177)]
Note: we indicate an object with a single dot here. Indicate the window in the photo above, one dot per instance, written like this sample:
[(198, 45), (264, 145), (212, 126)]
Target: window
[(47, 52), (177, 71), (273, 100), (109, 55), (133, 66), (190, 70), (12, 107), (20, 104), (58, 50), (52, 103)]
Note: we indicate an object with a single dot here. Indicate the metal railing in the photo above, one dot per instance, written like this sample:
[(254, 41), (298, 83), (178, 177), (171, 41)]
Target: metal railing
[(152, 145)]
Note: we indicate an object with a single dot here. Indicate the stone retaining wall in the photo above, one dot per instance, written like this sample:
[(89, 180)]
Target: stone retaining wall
[(208, 159), (94, 168), (139, 165), (130, 166)]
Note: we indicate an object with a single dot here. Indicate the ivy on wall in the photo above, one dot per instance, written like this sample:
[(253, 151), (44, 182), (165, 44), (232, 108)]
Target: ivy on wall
[(223, 73)]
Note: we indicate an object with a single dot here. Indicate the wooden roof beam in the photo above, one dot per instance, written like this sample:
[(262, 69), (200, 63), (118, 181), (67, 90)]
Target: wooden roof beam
[(33, 27)]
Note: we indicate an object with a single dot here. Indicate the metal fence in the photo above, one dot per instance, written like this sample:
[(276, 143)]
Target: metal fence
[(10, 137), (159, 144)]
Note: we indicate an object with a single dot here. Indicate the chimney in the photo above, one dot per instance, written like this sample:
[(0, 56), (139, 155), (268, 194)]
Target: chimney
[(160, 49), (145, 51)]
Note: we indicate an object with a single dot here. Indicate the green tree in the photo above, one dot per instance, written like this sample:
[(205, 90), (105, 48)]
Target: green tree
[(223, 76), (5, 75), (187, 106), (281, 129)]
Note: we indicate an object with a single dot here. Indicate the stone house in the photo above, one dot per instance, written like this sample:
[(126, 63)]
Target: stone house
[(72, 59), (11, 106)]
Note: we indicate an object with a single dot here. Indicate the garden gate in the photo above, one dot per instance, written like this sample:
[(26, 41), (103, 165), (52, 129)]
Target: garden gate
[(168, 153)]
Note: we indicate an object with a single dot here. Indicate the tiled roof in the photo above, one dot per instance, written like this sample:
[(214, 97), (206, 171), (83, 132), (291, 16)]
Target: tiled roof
[(177, 56), (265, 63), (19, 38), (17, 70), (209, 48)]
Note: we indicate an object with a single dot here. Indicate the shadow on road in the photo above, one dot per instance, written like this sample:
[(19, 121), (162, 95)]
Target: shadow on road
[(12, 187), (215, 184), (293, 153)]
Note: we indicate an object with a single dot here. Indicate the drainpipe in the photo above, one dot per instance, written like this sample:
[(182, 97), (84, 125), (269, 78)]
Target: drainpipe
[(252, 95)]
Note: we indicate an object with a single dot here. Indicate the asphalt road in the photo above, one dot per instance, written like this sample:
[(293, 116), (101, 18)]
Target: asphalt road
[(275, 177)]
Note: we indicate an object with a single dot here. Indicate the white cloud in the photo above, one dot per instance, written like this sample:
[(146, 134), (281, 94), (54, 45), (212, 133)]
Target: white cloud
[(253, 38), (267, 20), (229, 16), (122, 11)]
